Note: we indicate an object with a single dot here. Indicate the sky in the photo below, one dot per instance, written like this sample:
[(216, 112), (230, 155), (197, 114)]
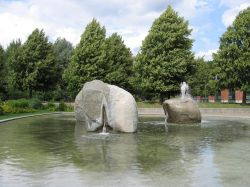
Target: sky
[(132, 19)]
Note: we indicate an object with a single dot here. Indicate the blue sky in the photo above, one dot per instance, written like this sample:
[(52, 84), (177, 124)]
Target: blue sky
[(130, 18)]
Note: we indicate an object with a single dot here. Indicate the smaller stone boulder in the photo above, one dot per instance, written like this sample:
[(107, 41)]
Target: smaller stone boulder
[(182, 111)]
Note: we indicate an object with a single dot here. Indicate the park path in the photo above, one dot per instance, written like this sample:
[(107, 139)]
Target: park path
[(228, 112)]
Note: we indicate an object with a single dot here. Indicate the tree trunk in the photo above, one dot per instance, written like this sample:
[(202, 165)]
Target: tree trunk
[(244, 99)]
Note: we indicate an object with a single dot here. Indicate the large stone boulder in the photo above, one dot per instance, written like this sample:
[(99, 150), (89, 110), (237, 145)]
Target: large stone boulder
[(182, 111), (99, 103)]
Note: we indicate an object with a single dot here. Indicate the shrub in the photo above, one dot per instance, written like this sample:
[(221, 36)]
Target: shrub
[(19, 103), (17, 106), (62, 106), (51, 106), (69, 108), (1, 111), (36, 104), (9, 109)]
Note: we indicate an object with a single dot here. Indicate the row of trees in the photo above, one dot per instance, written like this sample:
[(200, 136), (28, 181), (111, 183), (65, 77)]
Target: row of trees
[(40, 68), (35, 66), (230, 67), (98, 57)]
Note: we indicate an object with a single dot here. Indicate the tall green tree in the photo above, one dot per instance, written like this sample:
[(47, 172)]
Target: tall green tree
[(63, 51), (39, 63), (203, 80), (86, 63), (15, 66), (3, 73), (119, 61), (165, 57), (233, 56)]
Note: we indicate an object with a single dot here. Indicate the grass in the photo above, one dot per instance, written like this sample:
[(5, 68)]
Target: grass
[(7, 116), (142, 104)]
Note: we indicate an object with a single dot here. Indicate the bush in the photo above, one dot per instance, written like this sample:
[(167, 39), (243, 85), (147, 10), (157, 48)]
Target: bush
[(17, 106), (69, 108), (19, 103), (51, 106), (62, 106), (1, 111), (36, 104)]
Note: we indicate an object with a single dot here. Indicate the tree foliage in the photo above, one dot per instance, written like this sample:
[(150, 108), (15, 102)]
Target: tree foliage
[(15, 69), (203, 81), (3, 73), (118, 60), (63, 51), (233, 56), (86, 63), (165, 57), (39, 72)]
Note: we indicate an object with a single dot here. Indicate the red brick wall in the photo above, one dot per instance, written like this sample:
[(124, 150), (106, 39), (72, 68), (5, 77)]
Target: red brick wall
[(211, 99), (198, 98), (224, 95), (238, 96)]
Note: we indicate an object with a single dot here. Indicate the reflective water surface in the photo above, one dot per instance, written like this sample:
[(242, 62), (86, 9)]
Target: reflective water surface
[(55, 151)]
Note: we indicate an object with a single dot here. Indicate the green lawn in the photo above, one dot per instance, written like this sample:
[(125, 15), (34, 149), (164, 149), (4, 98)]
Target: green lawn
[(7, 116)]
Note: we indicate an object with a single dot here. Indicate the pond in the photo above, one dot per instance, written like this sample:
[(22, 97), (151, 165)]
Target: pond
[(55, 151)]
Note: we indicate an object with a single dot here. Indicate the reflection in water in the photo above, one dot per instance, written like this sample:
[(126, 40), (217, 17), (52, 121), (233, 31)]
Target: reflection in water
[(55, 151)]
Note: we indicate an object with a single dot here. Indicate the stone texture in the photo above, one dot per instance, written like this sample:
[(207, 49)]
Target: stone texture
[(99, 102), (123, 110), (182, 111)]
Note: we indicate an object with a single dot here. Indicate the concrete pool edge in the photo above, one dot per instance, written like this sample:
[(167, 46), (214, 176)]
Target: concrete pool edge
[(28, 116), (158, 112)]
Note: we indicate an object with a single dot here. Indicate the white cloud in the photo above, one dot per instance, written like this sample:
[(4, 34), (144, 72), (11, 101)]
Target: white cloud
[(192, 8), (71, 34), (233, 3), (63, 18), (68, 18), (13, 27), (230, 14), (57, 18), (207, 55)]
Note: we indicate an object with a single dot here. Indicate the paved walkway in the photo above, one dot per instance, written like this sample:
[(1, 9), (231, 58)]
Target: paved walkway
[(230, 112)]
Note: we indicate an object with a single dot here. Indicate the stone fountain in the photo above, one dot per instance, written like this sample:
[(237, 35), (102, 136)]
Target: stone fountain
[(102, 106), (182, 110)]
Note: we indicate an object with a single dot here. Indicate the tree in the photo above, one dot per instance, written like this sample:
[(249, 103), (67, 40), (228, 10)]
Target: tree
[(203, 80), (63, 51), (39, 63), (233, 56), (165, 56), (15, 69), (119, 62), (3, 73), (86, 63)]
